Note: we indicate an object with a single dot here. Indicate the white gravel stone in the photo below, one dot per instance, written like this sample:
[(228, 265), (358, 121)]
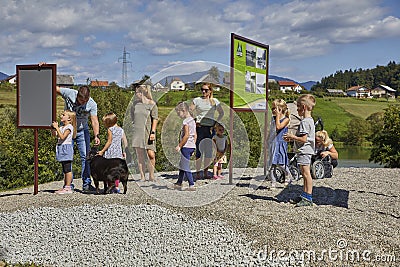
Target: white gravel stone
[(116, 235), (359, 207)]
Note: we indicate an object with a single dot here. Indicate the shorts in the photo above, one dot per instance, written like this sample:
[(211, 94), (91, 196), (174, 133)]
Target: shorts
[(304, 159), (204, 143), (66, 166)]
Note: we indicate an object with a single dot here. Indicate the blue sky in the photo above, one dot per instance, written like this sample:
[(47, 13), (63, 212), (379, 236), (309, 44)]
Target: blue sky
[(308, 39)]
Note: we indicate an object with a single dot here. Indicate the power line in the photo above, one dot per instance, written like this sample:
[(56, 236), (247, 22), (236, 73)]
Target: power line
[(124, 67)]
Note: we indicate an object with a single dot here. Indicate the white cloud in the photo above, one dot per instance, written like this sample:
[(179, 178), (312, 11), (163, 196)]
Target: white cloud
[(182, 30), (165, 51), (310, 28), (67, 53), (63, 19), (55, 41), (89, 39), (102, 45), (169, 27), (238, 12), (62, 63), (390, 26)]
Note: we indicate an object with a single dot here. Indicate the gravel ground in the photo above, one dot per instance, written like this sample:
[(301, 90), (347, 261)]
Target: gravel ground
[(354, 222)]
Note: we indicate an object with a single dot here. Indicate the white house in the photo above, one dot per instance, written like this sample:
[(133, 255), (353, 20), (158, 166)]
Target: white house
[(177, 85), (289, 86), (336, 92), (298, 88), (359, 92), (383, 91), (11, 79), (159, 87)]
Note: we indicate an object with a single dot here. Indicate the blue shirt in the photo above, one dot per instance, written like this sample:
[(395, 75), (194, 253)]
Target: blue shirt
[(82, 111)]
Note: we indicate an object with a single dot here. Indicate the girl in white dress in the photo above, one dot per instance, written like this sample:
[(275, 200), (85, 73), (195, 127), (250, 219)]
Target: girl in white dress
[(65, 148)]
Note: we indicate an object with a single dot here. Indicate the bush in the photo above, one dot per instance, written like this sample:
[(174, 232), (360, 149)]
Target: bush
[(6, 86), (254, 135), (386, 143), (357, 132), (17, 154), (17, 144)]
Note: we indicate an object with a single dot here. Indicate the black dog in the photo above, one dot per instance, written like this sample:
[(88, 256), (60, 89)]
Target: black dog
[(107, 170)]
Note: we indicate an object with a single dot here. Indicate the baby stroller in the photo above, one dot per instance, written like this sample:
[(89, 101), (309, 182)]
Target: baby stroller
[(279, 173), (320, 167)]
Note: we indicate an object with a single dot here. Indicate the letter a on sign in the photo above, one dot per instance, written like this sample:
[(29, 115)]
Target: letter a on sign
[(239, 51)]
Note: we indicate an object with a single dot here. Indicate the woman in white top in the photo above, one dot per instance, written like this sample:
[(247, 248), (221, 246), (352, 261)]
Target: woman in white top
[(204, 107)]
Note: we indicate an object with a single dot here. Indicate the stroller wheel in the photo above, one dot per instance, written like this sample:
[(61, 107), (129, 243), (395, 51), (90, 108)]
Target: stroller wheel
[(295, 172), (277, 173), (317, 170)]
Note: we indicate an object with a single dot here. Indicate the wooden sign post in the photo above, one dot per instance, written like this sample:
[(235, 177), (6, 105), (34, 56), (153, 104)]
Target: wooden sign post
[(36, 102)]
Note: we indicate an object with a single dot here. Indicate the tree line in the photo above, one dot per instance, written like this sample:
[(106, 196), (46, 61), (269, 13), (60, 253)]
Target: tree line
[(370, 78)]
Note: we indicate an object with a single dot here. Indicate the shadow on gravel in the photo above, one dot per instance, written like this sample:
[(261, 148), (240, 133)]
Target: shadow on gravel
[(15, 194), (53, 191), (169, 176), (374, 193), (255, 197), (48, 191), (321, 196), (155, 186)]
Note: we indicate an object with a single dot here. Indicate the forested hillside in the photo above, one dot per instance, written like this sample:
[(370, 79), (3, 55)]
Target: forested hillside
[(387, 75)]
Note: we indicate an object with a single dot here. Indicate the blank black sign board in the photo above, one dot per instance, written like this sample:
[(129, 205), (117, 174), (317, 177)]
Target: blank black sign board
[(36, 95)]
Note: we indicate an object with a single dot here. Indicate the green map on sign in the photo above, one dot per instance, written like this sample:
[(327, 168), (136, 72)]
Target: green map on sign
[(250, 75)]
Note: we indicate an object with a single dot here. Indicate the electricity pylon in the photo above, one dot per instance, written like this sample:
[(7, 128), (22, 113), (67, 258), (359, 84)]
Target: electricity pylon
[(124, 67)]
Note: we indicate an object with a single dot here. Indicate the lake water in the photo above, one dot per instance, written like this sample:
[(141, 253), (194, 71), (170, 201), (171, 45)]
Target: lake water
[(356, 157)]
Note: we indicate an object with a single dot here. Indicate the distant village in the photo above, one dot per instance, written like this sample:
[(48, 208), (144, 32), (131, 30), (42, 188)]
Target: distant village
[(176, 84)]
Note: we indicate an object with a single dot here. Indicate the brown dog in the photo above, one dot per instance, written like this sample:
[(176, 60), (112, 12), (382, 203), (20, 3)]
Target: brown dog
[(107, 170)]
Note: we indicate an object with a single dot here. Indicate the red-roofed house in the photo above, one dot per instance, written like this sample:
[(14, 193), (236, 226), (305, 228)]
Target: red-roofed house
[(97, 83), (359, 91), (289, 86)]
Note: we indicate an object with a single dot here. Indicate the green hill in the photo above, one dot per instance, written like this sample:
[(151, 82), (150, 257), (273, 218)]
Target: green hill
[(337, 112)]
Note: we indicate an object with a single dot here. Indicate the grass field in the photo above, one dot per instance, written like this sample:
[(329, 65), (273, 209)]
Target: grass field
[(337, 112), (10, 98), (362, 107), (332, 115)]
